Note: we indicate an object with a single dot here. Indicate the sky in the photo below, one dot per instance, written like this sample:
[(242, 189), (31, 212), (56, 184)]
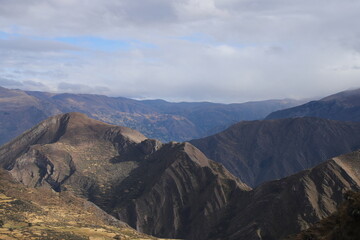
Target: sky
[(182, 50)]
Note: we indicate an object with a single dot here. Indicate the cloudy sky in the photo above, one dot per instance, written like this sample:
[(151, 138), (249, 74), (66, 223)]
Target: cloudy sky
[(181, 50)]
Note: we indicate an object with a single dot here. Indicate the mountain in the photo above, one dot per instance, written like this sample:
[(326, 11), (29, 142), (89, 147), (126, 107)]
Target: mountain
[(169, 190), (343, 106), (283, 207), (259, 151), (38, 213), (20, 110), (166, 190), (343, 224)]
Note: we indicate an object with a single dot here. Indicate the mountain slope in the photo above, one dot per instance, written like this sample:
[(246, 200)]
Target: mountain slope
[(344, 106), (29, 213), (279, 208), (166, 190), (20, 110), (343, 224), (258, 151)]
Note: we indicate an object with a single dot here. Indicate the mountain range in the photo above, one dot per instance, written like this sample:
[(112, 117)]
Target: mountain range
[(343, 106), (172, 189), (21, 110)]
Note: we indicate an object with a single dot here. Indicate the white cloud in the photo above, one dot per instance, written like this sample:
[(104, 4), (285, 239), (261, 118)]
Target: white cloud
[(221, 50)]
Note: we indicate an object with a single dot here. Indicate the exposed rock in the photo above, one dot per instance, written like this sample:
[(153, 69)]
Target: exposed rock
[(167, 190), (343, 224)]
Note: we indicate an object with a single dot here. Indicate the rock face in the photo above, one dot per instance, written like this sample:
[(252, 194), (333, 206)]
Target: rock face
[(258, 151), (279, 208), (167, 190), (20, 110), (343, 224), (344, 106)]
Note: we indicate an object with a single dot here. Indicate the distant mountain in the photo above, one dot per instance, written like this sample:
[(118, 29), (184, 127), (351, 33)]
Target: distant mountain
[(259, 151), (170, 190), (20, 110), (344, 106)]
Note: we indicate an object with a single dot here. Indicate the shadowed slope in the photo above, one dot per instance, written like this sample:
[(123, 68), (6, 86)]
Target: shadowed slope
[(259, 151), (276, 209)]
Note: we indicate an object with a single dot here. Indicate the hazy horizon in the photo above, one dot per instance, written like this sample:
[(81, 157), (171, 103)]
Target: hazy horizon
[(223, 51)]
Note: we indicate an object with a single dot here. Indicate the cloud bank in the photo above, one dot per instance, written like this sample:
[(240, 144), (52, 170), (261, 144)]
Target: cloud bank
[(217, 50)]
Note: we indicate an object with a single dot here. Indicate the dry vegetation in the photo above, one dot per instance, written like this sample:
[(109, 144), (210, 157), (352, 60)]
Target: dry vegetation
[(28, 213)]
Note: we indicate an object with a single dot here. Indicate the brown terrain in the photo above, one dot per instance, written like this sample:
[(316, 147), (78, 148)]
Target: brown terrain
[(21, 110), (166, 190), (169, 190), (39, 213), (259, 151), (343, 224), (279, 208)]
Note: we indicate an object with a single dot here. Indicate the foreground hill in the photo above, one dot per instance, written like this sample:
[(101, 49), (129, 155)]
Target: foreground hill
[(258, 151), (166, 190), (33, 214), (20, 110), (344, 106)]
